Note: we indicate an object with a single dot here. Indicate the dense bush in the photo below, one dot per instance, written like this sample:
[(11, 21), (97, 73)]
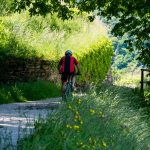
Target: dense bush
[(96, 62)]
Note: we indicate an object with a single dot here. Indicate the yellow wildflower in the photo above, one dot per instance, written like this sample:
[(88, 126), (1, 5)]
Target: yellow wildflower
[(76, 112), (69, 106), (79, 101), (68, 126), (76, 117), (84, 146), (92, 111), (75, 120), (101, 114), (76, 127), (79, 143), (92, 141), (104, 144), (81, 122)]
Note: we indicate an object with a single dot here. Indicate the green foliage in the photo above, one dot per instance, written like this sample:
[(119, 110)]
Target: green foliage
[(104, 119), (69, 26), (125, 64), (5, 7), (20, 92), (127, 79), (95, 63), (123, 58), (133, 17), (11, 45), (47, 37)]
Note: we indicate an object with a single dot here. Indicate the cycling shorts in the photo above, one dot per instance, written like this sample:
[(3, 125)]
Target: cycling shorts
[(65, 76)]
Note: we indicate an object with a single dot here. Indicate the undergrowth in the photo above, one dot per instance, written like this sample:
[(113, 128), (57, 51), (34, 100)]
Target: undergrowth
[(108, 117), (28, 91)]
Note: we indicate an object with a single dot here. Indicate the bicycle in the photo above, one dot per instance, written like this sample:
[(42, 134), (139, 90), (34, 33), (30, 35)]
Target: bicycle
[(68, 92)]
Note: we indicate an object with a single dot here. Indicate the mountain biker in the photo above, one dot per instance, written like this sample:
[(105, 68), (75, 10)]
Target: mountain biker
[(66, 67)]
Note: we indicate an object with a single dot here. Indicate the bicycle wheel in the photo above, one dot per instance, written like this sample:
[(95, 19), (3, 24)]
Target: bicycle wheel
[(68, 91)]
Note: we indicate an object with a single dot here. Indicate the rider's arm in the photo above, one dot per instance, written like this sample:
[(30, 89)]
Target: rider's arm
[(77, 64), (78, 67)]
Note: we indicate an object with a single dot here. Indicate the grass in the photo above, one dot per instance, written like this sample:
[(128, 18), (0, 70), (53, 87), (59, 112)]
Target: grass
[(28, 91), (109, 117), (132, 79), (127, 78), (49, 37)]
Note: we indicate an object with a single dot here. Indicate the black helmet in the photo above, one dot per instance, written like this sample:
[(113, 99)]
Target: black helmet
[(68, 52)]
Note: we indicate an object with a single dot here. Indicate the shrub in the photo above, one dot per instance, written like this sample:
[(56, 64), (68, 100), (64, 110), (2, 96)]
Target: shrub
[(96, 62)]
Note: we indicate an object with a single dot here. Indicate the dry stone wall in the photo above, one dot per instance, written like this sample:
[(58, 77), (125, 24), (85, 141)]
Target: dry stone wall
[(22, 70)]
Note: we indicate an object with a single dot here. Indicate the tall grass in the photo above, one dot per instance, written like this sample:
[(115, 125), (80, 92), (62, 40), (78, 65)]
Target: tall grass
[(132, 79), (104, 119), (20, 92), (49, 37), (127, 78)]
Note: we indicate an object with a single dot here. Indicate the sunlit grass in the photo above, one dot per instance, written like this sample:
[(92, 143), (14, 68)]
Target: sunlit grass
[(28, 91), (128, 79), (50, 37), (107, 118)]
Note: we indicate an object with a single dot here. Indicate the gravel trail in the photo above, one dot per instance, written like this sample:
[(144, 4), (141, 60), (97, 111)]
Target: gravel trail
[(17, 119)]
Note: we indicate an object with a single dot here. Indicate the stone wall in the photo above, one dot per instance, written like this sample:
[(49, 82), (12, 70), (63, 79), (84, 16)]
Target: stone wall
[(22, 70)]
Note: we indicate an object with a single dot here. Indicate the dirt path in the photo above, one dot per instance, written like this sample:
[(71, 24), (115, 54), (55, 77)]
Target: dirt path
[(18, 119)]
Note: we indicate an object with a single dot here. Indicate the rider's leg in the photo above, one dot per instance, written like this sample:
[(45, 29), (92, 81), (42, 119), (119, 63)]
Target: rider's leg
[(64, 81), (63, 88), (73, 81)]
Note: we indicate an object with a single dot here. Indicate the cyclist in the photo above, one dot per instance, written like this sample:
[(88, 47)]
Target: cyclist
[(66, 67)]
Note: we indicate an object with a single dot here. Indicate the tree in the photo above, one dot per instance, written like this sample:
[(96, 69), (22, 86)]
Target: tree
[(5, 7), (133, 17)]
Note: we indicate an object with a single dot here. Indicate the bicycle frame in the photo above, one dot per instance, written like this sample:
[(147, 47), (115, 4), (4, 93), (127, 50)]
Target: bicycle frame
[(68, 88)]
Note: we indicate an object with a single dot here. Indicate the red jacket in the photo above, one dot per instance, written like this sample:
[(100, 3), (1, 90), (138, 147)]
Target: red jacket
[(67, 64)]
